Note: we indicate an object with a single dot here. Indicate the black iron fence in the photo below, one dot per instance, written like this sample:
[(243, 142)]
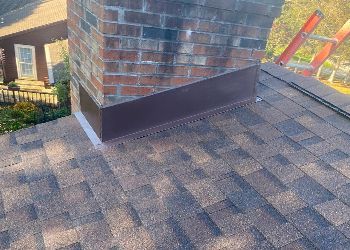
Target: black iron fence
[(14, 96)]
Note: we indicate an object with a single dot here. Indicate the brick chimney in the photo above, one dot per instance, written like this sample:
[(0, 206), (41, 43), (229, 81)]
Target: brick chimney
[(122, 50)]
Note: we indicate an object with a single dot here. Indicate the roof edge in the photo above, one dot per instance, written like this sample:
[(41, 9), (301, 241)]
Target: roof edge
[(32, 29)]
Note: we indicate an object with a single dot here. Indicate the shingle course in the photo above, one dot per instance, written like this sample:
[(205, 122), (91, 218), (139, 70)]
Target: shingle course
[(253, 177)]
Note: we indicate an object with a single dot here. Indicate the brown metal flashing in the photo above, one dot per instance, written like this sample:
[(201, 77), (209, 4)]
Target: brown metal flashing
[(173, 107), (90, 110)]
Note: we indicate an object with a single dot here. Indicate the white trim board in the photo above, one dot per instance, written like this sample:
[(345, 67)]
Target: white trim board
[(49, 64), (88, 130)]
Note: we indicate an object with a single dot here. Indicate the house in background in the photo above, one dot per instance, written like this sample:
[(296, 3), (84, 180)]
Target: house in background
[(27, 40)]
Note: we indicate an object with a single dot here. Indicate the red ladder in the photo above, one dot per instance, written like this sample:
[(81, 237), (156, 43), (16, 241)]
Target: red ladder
[(306, 32)]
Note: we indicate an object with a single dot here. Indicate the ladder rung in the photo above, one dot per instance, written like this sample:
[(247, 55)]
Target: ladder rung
[(300, 66), (323, 38)]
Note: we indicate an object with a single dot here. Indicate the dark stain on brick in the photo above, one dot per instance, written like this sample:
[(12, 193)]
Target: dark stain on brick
[(91, 18), (252, 43), (157, 33), (85, 26)]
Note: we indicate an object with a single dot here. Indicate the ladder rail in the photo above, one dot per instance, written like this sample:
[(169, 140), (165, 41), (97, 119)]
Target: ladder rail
[(300, 38), (329, 49)]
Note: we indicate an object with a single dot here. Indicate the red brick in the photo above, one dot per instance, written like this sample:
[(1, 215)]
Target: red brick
[(165, 80), (97, 83), (220, 62), (129, 4), (120, 29), (138, 68), (85, 49), (77, 9), (238, 52), (259, 54), (135, 91), (221, 4), (109, 90), (167, 7), (157, 57), (97, 9), (97, 61), (264, 33), (181, 80), (110, 15), (221, 15), (180, 23), (142, 18), (199, 60), (97, 37), (120, 79), (111, 67), (212, 27), (206, 50), (275, 11), (240, 63), (220, 40), (194, 37), (154, 80), (122, 55), (111, 43), (175, 47), (203, 72), (173, 70), (73, 18), (246, 31), (259, 20), (255, 8)]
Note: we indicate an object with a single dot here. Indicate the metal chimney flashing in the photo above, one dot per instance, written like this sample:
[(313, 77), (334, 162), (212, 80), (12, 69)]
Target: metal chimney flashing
[(146, 115)]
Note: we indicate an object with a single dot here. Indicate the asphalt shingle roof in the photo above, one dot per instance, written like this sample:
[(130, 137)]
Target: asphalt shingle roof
[(274, 174), (32, 16), (7, 6)]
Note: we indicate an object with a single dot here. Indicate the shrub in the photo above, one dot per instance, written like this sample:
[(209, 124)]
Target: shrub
[(49, 113), (27, 111), (62, 86), (14, 118), (25, 114), (61, 112), (26, 107), (12, 85), (64, 73), (62, 92)]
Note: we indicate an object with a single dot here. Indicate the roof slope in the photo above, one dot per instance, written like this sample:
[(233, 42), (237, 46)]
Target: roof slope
[(264, 176), (7, 6), (32, 16)]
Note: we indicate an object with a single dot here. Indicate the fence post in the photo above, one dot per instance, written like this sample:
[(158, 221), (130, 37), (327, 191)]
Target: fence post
[(14, 96)]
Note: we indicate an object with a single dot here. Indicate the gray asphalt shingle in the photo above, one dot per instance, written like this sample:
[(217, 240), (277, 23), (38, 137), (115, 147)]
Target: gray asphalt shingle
[(260, 176)]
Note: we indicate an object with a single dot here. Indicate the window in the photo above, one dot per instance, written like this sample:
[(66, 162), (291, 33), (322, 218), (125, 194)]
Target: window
[(25, 58)]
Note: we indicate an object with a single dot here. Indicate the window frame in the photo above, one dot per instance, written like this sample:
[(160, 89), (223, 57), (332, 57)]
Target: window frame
[(17, 54)]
